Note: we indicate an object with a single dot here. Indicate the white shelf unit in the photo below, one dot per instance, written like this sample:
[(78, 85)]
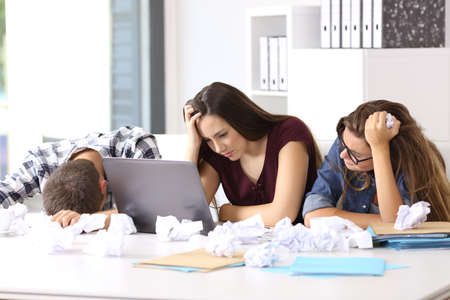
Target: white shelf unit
[(298, 24), (326, 84), (332, 82)]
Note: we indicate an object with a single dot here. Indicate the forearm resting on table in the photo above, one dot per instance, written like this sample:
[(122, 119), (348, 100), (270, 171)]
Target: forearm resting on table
[(68, 217), (269, 213), (361, 219)]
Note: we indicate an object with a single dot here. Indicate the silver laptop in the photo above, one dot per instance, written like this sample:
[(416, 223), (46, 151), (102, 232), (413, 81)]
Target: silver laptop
[(147, 188)]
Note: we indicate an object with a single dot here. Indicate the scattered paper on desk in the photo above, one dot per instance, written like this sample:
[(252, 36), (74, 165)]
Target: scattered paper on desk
[(261, 256), (122, 223), (223, 240), (110, 242), (170, 229), (326, 234), (249, 230), (17, 214), (105, 244), (194, 259), (52, 238), (88, 223), (56, 239), (411, 217), (196, 241), (295, 238)]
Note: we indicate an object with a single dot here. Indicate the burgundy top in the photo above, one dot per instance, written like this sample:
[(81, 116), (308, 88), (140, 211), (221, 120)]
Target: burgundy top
[(238, 187)]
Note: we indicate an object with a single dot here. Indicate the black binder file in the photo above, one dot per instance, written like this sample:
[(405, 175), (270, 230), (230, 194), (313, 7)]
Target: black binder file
[(408, 23)]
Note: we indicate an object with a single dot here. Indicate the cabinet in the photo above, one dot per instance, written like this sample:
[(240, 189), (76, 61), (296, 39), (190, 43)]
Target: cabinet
[(301, 26), (326, 84)]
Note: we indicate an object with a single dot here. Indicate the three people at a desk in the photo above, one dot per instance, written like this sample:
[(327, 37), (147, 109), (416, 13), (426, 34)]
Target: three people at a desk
[(267, 164)]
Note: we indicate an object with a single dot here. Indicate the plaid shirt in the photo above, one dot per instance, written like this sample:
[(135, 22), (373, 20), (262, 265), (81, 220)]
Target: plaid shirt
[(40, 162)]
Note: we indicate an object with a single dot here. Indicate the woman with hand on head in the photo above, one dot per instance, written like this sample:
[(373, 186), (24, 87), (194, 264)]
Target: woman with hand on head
[(372, 169), (266, 163)]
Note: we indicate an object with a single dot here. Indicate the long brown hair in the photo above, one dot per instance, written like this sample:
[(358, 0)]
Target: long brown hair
[(412, 154), (247, 118)]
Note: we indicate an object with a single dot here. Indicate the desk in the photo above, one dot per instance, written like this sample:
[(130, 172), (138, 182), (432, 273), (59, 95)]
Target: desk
[(28, 274)]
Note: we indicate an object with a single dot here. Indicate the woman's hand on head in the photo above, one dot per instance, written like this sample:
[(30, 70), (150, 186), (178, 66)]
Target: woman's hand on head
[(191, 118), (376, 131)]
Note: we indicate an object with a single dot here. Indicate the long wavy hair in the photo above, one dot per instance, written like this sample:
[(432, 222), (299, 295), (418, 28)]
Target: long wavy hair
[(412, 154), (247, 118)]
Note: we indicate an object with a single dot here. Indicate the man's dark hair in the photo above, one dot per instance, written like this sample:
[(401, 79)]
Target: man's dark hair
[(73, 186)]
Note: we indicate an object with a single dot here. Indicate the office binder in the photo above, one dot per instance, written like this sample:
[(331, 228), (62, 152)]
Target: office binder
[(325, 24), (282, 66), (367, 24), (273, 63), (346, 23), (414, 24), (263, 63), (356, 15), (335, 23)]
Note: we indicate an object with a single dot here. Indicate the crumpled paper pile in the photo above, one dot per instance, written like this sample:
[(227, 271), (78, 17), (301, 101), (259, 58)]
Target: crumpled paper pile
[(411, 217), (53, 238), (223, 240), (17, 213), (170, 229), (325, 234)]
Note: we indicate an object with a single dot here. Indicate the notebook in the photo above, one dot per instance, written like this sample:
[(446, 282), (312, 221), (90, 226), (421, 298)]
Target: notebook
[(424, 228), (146, 188), (196, 260)]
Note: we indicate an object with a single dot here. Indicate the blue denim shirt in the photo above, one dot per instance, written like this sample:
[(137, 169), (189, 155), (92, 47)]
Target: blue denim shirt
[(329, 186)]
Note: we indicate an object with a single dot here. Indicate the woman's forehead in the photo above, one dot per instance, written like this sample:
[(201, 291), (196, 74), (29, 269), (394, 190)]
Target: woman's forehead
[(355, 143), (209, 125)]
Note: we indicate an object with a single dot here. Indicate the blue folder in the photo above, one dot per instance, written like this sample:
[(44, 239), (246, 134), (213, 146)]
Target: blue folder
[(412, 241), (289, 271), (400, 244), (338, 266)]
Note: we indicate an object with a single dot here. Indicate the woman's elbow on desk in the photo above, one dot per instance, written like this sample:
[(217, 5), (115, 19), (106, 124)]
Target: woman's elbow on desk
[(269, 213), (321, 212)]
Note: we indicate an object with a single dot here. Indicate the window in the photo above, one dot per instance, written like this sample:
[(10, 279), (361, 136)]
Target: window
[(2, 53), (138, 64), (3, 136)]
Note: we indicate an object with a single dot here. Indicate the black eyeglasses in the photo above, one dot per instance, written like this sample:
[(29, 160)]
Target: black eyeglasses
[(352, 155)]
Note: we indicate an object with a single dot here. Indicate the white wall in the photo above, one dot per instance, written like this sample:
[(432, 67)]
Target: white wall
[(205, 42), (58, 60)]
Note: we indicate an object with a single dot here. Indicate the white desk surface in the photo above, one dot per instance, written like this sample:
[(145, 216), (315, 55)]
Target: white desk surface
[(29, 274)]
